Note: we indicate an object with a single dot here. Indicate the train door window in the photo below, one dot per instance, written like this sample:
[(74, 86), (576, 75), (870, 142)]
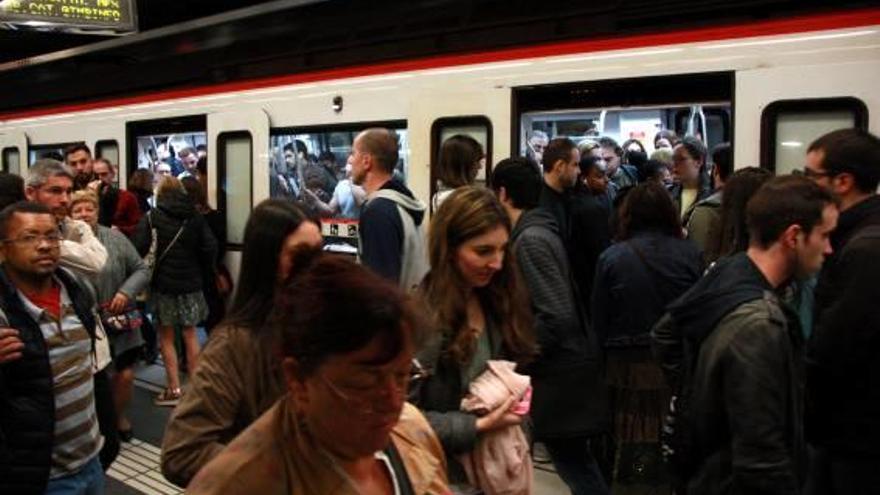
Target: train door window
[(309, 164), (11, 159), (54, 151), (235, 189), (630, 111), (788, 127), (168, 146), (109, 150), (477, 127)]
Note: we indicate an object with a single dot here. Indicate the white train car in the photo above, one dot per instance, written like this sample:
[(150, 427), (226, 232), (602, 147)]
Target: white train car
[(769, 87)]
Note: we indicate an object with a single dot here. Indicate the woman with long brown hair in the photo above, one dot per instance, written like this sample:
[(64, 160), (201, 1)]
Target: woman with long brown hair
[(479, 312)]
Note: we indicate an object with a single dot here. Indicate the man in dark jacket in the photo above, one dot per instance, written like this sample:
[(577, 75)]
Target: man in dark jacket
[(118, 207), (49, 435), (742, 385), (391, 235), (843, 381), (561, 171), (568, 405)]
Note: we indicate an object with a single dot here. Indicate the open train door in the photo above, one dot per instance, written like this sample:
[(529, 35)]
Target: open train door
[(13, 152), (238, 161)]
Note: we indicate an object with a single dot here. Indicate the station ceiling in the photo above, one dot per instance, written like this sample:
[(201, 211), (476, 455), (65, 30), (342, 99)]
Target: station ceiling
[(184, 44)]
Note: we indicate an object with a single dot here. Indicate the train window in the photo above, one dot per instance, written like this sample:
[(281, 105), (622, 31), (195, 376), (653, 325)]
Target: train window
[(54, 151), (11, 159), (630, 111), (235, 191), (108, 150), (176, 153), (476, 127), (167, 146), (316, 157), (789, 126)]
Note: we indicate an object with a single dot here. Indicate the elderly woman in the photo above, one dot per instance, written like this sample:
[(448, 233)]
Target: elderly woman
[(123, 277), (343, 427)]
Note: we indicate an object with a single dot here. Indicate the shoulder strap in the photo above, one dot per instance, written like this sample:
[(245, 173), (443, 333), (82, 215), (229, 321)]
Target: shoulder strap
[(168, 247)]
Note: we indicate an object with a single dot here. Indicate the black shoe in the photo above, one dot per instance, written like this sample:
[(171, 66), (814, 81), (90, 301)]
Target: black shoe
[(126, 435), (150, 357)]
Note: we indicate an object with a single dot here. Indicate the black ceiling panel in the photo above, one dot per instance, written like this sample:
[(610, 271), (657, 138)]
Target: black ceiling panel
[(293, 36)]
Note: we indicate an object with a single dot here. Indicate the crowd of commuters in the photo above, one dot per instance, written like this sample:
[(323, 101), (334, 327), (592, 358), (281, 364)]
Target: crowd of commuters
[(659, 324)]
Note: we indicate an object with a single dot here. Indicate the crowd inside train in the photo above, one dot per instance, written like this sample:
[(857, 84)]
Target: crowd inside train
[(661, 324)]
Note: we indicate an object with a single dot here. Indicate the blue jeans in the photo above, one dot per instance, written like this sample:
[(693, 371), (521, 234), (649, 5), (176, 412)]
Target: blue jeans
[(87, 481), (576, 466)]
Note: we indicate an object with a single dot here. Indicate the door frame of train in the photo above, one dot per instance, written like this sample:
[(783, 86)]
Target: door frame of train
[(254, 122), (19, 140)]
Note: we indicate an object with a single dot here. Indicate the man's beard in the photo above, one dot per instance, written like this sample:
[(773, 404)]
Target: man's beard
[(81, 181)]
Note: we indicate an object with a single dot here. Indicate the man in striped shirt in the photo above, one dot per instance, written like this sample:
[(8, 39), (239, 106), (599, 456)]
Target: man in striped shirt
[(49, 436)]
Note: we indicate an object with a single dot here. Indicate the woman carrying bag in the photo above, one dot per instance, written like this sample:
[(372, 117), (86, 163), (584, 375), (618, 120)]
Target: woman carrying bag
[(185, 250)]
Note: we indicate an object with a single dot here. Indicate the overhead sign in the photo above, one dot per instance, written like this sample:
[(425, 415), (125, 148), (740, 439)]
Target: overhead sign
[(82, 16)]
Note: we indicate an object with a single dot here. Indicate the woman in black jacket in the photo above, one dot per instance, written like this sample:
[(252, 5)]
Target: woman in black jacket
[(184, 252), (650, 266)]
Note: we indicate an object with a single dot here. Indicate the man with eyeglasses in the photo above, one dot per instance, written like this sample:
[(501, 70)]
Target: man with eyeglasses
[(50, 183), (49, 434), (843, 369)]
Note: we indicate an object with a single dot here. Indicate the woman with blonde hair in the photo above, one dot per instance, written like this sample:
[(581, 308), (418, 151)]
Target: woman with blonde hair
[(479, 312), (185, 251), (123, 277)]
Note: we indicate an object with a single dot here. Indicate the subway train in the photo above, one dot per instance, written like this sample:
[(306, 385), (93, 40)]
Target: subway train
[(769, 87)]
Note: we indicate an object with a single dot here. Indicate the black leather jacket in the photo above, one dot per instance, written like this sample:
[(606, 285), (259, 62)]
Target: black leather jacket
[(746, 402), (27, 400)]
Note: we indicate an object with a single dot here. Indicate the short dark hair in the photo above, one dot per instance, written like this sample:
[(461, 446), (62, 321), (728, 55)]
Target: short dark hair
[(458, 154), (382, 145), (587, 164), (202, 165), (652, 170), (783, 202), (195, 191), (557, 149), (607, 142), (648, 206), (520, 179), (332, 306), (189, 150), (852, 151), (21, 207), (288, 147), (73, 148), (722, 159), (301, 146), (202, 147), (11, 189)]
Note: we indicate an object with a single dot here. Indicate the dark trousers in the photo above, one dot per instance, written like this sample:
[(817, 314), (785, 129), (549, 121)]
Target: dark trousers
[(576, 465), (106, 412), (830, 475)]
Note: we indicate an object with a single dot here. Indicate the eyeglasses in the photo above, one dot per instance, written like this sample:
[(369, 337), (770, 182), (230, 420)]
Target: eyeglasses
[(36, 239), (58, 190), (364, 399)]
